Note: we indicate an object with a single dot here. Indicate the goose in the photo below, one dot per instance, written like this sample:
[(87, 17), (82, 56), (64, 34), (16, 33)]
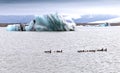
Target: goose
[(80, 51), (48, 51), (92, 51), (59, 51)]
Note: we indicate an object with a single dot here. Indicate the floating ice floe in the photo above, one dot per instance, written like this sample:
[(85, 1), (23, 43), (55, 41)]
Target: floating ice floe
[(99, 25), (50, 22), (104, 25)]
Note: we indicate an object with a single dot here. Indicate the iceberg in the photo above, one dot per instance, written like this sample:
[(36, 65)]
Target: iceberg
[(104, 25), (50, 22)]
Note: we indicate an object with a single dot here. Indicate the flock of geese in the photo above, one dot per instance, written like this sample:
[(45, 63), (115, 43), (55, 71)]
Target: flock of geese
[(57, 51), (79, 51)]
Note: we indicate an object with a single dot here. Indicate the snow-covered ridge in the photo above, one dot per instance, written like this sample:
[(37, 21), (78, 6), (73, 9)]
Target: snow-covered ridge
[(114, 20)]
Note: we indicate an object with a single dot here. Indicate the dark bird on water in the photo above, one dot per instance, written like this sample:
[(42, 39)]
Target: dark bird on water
[(59, 51), (48, 51)]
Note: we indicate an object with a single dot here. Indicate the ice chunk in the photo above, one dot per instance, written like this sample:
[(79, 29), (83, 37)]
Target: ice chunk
[(50, 22)]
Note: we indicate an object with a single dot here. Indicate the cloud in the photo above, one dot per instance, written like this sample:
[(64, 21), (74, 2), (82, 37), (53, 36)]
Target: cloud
[(22, 1), (17, 1), (24, 7)]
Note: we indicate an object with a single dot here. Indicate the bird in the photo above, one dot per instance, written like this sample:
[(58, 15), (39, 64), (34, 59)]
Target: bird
[(100, 49), (48, 51), (59, 51), (80, 51), (105, 49), (92, 51)]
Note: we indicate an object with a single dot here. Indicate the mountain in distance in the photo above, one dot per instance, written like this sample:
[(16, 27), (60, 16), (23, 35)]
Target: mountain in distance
[(82, 19), (94, 18), (16, 18), (114, 20)]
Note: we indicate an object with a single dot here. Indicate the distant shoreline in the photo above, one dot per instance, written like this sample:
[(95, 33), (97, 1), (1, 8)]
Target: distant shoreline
[(6, 24), (93, 24), (77, 24)]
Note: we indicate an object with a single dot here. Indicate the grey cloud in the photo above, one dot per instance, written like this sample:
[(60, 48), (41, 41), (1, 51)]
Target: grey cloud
[(12, 1), (21, 1), (41, 1)]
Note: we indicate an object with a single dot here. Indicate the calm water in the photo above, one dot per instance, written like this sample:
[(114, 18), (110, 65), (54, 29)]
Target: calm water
[(23, 52)]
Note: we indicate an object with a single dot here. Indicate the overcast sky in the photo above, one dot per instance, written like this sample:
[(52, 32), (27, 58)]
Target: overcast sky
[(72, 7)]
